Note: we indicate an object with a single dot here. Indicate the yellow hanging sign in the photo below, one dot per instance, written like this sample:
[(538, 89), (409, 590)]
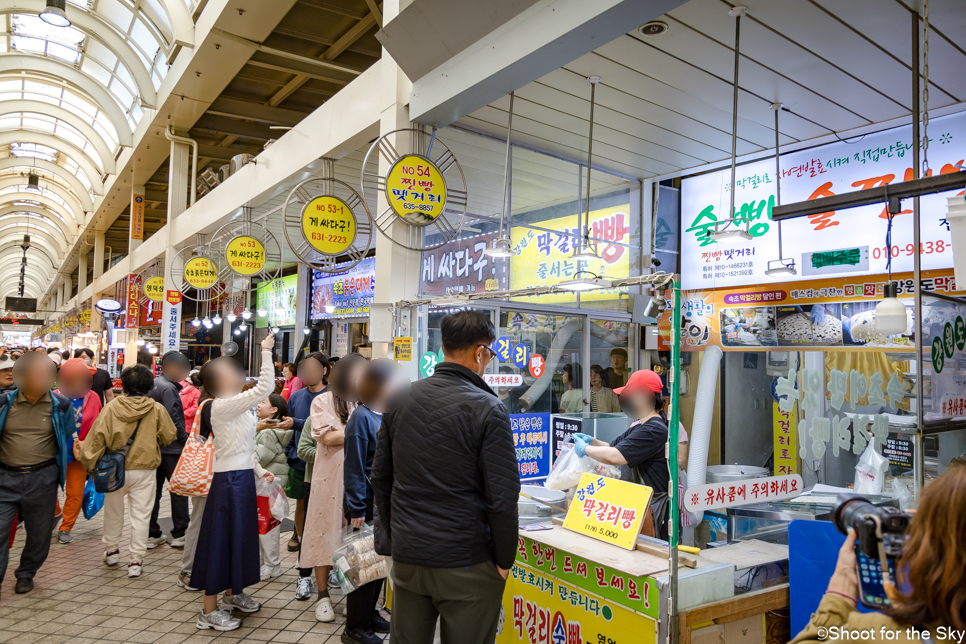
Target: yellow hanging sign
[(200, 273), (245, 255), (154, 289), (328, 225), (416, 189), (608, 509)]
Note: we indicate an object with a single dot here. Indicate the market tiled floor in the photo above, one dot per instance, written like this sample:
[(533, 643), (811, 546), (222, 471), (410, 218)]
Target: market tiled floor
[(78, 599)]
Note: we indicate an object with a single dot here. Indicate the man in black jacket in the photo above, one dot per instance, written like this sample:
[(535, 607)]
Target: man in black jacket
[(446, 487), (167, 391)]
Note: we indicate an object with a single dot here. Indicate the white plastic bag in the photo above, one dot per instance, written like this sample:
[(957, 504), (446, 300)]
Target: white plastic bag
[(277, 500), (870, 471), (568, 468)]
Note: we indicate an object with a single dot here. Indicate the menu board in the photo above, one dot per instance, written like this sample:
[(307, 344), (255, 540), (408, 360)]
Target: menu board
[(531, 439)]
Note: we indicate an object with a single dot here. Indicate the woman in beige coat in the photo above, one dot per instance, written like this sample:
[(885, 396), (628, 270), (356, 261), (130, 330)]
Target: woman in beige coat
[(323, 518)]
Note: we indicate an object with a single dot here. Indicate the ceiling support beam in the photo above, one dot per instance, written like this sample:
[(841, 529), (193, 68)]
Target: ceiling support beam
[(325, 64), (541, 39), (235, 108), (344, 42)]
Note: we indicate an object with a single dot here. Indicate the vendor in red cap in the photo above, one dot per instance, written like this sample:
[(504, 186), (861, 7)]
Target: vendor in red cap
[(641, 447)]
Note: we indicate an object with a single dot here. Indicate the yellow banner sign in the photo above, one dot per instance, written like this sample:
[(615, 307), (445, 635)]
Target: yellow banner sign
[(402, 349), (544, 258), (416, 189), (245, 255), (137, 217), (608, 509), (540, 609), (328, 225), (200, 273), (154, 289)]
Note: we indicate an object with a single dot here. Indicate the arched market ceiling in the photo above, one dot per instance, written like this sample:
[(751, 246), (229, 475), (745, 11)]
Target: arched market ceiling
[(70, 98)]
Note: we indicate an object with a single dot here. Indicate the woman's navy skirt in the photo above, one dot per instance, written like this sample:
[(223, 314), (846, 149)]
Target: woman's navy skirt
[(227, 556)]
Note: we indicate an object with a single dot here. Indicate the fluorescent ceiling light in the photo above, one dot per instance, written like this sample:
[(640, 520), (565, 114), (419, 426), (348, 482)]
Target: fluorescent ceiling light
[(784, 267), (585, 284), (890, 313), (585, 251), (727, 236), (500, 248)]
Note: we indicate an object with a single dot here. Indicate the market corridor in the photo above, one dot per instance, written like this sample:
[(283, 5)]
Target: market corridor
[(78, 599)]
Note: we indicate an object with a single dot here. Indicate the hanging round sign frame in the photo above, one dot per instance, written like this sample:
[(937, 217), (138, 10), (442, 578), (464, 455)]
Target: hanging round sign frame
[(150, 284), (321, 224), (425, 188), (249, 251), (195, 274)]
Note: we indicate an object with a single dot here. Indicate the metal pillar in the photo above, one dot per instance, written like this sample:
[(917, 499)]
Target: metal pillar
[(920, 464), (673, 433)]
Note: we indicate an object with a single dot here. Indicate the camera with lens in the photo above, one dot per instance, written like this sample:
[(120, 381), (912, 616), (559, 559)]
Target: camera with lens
[(881, 536)]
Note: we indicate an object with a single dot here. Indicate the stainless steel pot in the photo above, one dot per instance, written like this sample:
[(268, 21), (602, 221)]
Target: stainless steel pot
[(726, 473)]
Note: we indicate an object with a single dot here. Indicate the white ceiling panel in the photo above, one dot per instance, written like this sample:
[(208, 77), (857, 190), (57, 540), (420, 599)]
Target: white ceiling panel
[(666, 101), (814, 73)]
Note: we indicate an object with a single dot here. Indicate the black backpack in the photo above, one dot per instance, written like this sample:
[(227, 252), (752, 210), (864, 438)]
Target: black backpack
[(109, 471)]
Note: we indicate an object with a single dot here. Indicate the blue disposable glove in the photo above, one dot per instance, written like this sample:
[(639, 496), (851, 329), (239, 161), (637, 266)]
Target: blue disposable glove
[(581, 441)]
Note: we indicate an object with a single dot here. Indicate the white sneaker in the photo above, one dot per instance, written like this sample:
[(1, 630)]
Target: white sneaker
[(177, 542), (184, 580), (324, 612), (270, 572), (242, 602), (112, 558), (303, 588), (134, 569), (219, 619), (154, 542)]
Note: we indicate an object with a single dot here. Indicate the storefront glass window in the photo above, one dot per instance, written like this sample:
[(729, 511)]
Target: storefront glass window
[(541, 357)]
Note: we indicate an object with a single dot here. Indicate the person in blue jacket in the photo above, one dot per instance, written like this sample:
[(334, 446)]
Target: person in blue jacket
[(313, 371), (377, 384), (36, 427)]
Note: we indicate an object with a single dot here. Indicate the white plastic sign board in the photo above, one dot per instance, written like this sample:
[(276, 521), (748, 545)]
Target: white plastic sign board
[(871, 161), (715, 496), (495, 380)]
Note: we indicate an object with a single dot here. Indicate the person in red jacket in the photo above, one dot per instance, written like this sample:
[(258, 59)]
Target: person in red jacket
[(190, 394), (75, 380)]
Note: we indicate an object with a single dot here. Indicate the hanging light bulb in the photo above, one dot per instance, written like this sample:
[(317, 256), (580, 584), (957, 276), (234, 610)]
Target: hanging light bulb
[(207, 322), (152, 348), (585, 250), (275, 329), (53, 13), (242, 326), (330, 309), (246, 314), (237, 332), (217, 319), (140, 343), (262, 312), (890, 313), (196, 322), (231, 317), (306, 331), (281, 312)]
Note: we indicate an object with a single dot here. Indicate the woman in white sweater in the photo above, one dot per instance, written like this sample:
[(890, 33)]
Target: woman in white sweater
[(227, 558)]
